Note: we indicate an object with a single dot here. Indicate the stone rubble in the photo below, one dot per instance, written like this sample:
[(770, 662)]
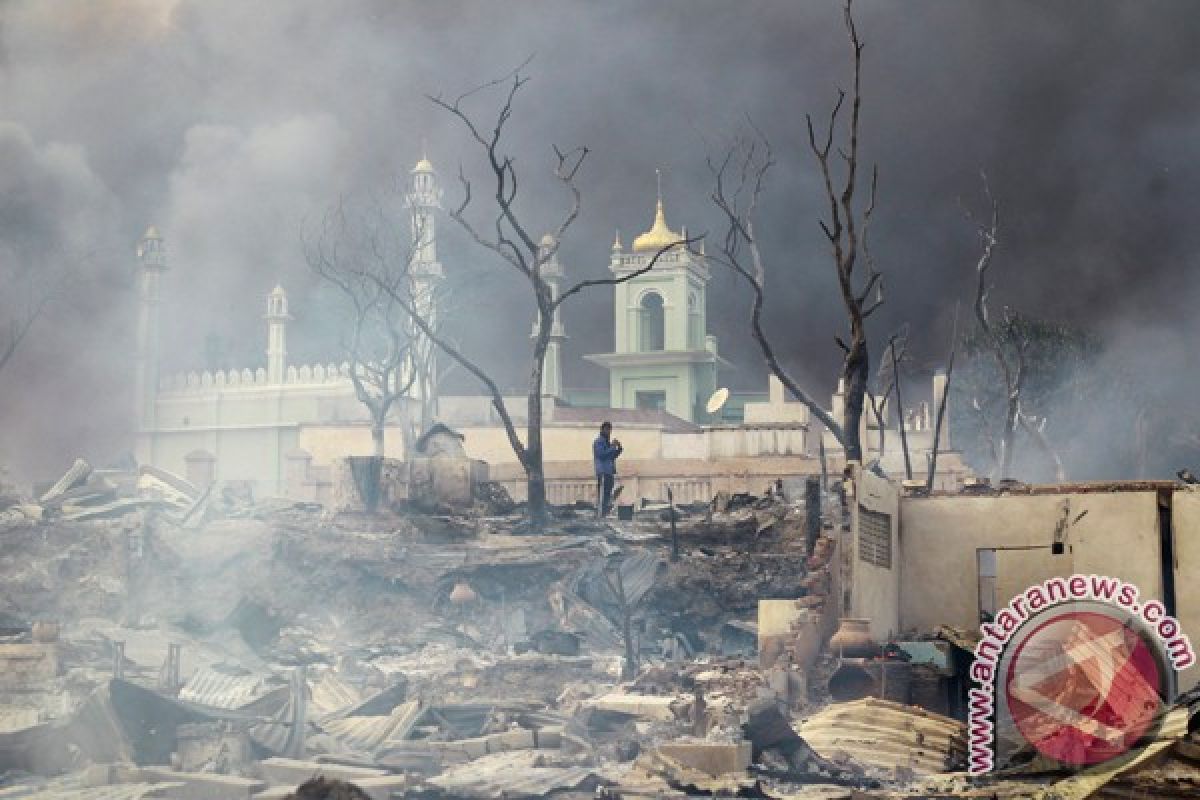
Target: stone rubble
[(172, 642)]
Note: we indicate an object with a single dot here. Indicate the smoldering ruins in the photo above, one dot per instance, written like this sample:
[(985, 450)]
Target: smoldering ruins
[(306, 346)]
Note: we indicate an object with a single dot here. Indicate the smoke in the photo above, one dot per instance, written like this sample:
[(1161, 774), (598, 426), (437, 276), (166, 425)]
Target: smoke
[(230, 124)]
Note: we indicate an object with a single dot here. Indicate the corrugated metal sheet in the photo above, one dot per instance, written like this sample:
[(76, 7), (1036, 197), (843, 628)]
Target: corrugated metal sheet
[(330, 694), (120, 791), (368, 734), (286, 733), (511, 775), (884, 734), (638, 574), (208, 687)]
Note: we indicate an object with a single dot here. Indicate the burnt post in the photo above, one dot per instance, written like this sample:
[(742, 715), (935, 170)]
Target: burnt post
[(812, 511), (630, 669), (674, 530)]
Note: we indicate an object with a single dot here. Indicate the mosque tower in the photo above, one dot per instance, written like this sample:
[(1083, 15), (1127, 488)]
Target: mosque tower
[(152, 263), (277, 317), (424, 200), (664, 357)]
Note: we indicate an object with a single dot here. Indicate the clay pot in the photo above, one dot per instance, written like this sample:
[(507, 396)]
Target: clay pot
[(853, 638), (462, 593), (45, 632)]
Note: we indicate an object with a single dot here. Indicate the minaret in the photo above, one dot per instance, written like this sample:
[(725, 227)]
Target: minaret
[(552, 272), (423, 200), (664, 358), (152, 263), (277, 317)]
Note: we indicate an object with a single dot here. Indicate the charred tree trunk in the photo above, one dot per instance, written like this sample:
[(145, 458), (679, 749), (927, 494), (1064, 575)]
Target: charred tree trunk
[(513, 243), (900, 412), (855, 370), (745, 166), (534, 462), (377, 428)]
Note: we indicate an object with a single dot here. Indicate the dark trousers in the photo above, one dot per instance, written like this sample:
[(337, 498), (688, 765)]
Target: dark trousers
[(604, 490)]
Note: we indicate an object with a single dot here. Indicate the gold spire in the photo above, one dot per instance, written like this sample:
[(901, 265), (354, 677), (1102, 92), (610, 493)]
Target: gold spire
[(659, 235), (423, 165), (617, 240)]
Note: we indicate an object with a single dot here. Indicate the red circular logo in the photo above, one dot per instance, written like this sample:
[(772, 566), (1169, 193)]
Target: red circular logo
[(1084, 687)]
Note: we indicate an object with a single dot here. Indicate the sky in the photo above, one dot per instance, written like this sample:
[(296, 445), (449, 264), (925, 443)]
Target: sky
[(232, 126)]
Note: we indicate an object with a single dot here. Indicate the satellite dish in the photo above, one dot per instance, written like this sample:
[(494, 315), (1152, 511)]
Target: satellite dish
[(717, 400)]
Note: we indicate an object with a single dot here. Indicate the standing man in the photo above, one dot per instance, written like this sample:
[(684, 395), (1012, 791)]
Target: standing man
[(605, 451)]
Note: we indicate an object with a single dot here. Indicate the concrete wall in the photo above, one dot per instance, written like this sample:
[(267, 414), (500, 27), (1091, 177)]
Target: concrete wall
[(690, 480), (329, 443), (560, 442), (940, 536), (1185, 527), (875, 587)]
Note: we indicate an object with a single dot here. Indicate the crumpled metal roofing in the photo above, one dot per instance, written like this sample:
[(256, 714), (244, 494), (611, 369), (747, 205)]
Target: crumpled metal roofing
[(285, 734), (368, 734), (510, 775), (119, 791), (209, 687), (639, 572), (330, 694), (884, 734)]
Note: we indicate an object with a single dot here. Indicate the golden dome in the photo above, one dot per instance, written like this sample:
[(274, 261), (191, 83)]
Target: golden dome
[(423, 166), (659, 235)]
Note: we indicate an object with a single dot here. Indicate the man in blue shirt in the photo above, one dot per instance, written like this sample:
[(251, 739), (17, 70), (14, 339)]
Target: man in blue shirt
[(605, 451)]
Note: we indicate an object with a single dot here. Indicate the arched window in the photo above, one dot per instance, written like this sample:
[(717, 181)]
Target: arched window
[(653, 322)]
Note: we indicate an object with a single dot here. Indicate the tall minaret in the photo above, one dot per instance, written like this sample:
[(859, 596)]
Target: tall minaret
[(152, 263), (552, 271), (277, 317), (423, 200)]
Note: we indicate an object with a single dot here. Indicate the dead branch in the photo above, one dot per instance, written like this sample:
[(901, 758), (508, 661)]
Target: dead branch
[(845, 226), (1011, 361), (1036, 428), (357, 258), (739, 204), (512, 241), (941, 411)]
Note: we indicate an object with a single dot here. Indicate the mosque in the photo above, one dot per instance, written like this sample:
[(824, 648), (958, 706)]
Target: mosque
[(277, 428)]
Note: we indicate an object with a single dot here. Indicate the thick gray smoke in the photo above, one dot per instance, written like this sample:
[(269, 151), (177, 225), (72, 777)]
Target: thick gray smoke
[(230, 124)]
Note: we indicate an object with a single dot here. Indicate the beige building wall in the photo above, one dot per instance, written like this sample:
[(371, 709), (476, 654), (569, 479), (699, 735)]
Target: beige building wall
[(1185, 525), (875, 561), (248, 429), (560, 442), (328, 443), (940, 537)]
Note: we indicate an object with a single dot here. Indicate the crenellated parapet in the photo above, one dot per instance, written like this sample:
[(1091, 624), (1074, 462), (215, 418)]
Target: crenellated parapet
[(206, 381)]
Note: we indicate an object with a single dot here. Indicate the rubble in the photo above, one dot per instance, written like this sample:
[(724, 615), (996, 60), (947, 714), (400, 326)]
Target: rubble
[(889, 736), (159, 640)]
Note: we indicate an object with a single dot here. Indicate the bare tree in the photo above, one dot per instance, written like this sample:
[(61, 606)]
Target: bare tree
[(24, 294), (1009, 355), (513, 241), (359, 255), (888, 379), (738, 184), (1009, 345), (939, 421)]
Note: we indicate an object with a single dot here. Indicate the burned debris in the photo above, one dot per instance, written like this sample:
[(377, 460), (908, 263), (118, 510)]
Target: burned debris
[(201, 644)]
